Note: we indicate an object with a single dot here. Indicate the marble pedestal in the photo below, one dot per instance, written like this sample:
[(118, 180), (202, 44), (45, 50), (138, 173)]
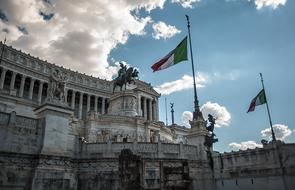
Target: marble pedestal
[(123, 103), (55, 121)]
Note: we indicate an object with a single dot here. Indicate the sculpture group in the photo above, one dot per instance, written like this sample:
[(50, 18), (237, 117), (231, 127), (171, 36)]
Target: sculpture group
[(56, 87), (125, 75)]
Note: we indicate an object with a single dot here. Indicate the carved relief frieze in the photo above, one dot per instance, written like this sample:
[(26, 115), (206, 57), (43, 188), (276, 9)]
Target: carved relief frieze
[(190, 149), (170, 148), (26, 122), (56, 162), (147, 147), (16, 161), (99, 166), (4, 118)]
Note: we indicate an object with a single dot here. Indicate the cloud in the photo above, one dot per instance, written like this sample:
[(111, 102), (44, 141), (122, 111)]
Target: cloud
[(269, 3), (230, 75), (221, 114), (274, 4), (78, 35), (281, 132), (185, 83), (186, 3), (162, 30), (244, 145), (186, 117)]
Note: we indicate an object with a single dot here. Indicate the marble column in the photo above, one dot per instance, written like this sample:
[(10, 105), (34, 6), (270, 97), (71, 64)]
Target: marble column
[(103, 105), (73, 99), (22, 86), (95, 103), (40, 92), (88, 102), (139, 112), (31, 88), (66, 96), (157, 111), (2, 79), (12, 81), (144, 108), (80, 105), (153, 110), (150, 110)]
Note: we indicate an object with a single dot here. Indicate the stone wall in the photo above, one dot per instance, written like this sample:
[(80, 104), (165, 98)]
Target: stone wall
[(270, 167), (20, 134)]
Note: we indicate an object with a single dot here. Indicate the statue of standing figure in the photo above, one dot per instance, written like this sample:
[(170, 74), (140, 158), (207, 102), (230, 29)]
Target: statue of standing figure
[(122, 71), (56, 86), (209, 139)]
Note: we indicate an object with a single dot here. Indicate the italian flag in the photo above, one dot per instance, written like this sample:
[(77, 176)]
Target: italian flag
[(175, 56), (258, 100)]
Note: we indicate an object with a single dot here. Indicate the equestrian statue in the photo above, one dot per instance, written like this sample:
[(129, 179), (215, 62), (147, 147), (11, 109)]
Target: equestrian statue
[(125, 75)]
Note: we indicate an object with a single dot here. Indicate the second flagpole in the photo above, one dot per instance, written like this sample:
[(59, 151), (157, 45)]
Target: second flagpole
[(270, 122), (196, 101)]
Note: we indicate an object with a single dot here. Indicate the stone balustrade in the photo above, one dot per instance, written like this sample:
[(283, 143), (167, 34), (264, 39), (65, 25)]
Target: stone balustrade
[(145, 150)]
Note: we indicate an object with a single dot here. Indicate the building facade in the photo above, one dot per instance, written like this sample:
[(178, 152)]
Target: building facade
[(87, 136)]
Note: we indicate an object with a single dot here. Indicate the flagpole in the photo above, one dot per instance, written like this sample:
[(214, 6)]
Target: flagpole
[(166, 111), (270, 122), (196, 101)]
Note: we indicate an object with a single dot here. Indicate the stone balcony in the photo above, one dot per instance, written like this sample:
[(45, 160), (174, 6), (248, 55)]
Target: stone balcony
[(145, 150)]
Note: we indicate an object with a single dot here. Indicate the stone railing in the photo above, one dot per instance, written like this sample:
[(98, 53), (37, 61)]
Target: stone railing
[(4, 118), (145, 150), (17, 120)]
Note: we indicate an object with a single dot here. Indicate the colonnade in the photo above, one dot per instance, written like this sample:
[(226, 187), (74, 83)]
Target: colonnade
[(148, 108), (27, 87)]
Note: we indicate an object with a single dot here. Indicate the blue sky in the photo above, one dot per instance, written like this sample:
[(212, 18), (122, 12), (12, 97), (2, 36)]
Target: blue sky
[(233, 40)]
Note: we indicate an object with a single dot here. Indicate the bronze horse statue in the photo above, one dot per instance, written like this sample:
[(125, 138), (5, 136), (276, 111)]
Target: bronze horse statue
[(128, 77)]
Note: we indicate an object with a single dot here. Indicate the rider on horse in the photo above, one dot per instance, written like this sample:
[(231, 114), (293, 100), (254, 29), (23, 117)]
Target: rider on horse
[(122, 71), (125, 76)]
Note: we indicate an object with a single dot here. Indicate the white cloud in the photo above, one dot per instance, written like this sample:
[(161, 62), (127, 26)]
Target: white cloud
[(185, 83), (162, 30), (186, 3), (80, 35), (281, 132), (269, 3), (266, 3), (186, 117), (244, 145), (230, 75), (221, 114)]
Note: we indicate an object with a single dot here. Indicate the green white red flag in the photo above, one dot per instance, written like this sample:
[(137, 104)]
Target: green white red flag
[(258, 100), (175, 56)]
